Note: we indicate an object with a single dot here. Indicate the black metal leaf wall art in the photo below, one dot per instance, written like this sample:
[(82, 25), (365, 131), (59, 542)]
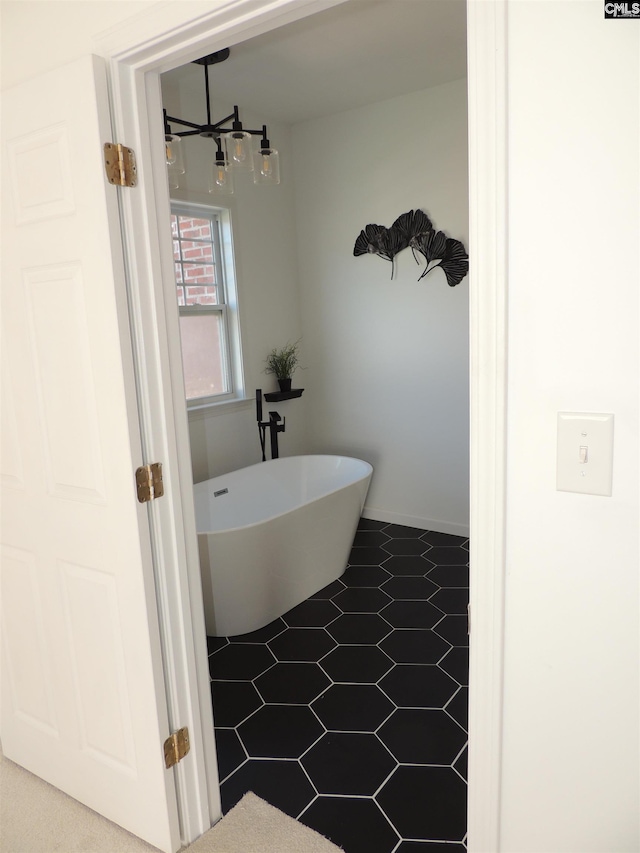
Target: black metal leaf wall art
[(380, 241), (415, 230), (412, 226)]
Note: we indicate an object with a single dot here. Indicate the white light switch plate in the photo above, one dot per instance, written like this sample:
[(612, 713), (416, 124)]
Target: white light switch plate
[(585, 453)]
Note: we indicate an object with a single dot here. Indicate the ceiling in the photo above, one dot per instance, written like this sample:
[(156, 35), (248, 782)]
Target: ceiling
[(353, 54)]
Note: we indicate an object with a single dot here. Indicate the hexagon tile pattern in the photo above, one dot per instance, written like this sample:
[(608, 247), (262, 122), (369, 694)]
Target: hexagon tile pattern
[(350, 711)]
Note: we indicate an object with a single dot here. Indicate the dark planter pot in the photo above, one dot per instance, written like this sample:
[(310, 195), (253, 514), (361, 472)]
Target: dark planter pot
[(285, 384)]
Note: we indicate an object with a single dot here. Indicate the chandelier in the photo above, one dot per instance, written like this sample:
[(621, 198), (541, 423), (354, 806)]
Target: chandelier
[(235, 148)]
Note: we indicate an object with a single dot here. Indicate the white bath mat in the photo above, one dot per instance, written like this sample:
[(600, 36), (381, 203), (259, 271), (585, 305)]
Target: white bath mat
[(253, 826)]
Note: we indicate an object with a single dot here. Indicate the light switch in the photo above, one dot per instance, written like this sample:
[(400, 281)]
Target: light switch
[(585, 453)]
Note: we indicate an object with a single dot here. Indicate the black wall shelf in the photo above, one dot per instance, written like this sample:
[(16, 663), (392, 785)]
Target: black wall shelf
[(276, 396)]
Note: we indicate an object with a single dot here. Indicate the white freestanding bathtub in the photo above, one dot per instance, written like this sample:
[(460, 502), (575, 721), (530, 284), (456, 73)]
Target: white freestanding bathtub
[(273, 534)]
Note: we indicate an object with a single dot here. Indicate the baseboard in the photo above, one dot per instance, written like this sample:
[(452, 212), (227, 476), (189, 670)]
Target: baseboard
[(376, 514)]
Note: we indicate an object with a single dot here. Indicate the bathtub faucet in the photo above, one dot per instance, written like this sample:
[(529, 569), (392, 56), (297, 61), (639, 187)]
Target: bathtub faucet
[(273, 425), (274, 428)]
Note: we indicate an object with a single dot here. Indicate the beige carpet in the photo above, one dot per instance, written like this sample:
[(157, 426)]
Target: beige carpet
[(37, 818), (253, 826)]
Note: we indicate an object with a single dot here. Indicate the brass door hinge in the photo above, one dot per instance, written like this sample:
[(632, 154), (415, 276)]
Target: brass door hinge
[(176, 746), (149, 482), (120, 165)]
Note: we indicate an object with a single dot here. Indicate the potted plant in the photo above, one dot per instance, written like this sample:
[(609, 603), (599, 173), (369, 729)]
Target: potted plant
[(283, 362)]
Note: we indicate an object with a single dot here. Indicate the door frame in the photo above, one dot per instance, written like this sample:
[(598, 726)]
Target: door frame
[(172, 34)]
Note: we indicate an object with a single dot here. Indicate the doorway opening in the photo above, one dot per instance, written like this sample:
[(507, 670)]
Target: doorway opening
[(281, 300)]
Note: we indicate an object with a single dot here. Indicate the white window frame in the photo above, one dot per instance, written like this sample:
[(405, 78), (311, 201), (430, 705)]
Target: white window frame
[(227, 308)]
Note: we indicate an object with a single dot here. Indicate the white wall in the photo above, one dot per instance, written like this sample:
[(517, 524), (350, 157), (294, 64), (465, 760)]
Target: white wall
[(388, 360), (571, 681), (38, 35)]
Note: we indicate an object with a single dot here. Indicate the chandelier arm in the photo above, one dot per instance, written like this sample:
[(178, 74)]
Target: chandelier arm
[(218, 124), (183, 122)]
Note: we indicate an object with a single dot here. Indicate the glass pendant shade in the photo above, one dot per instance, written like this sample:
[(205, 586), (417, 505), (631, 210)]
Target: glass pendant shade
[(238, 149), (220, 179), (266, 166), (173, 153)]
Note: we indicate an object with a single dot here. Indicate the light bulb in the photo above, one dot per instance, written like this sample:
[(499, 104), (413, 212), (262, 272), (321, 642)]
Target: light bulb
[(220, 180), (238, 150), (238, 146), (173, 152), (266, 166)]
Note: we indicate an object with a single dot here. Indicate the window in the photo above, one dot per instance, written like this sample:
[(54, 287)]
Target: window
[(209, 332)]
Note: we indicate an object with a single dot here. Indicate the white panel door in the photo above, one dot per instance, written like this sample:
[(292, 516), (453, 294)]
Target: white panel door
[(83, 701)]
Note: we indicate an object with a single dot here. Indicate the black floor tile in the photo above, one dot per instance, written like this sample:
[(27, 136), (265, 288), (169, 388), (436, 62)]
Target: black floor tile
[(357, 599), (313, 613), (450, 600), (399, 531), (448, 556), (460, 764), (407, 645), (410, 588), (370, 537), (408, 565), (328, 591), (411, 614), (240, 662), (418, 686), (215, 643), (454, 629), (364, 576), (230, 752), (280, 731), (458, 707), (456, 663), (357, 690), (262, 635), (233, 702), (405, 547), (348, 764), (355, 825), (284, 784), (357, 628), (420, 736), (370, 555), (310, 644), (352, 708), (446, 539), (292, 683), (450, 576), (427, 803), (356, 664)]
